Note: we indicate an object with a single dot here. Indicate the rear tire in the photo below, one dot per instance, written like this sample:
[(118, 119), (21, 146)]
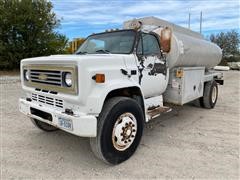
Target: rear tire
[(120, 127), (210, 94), (43, 126)]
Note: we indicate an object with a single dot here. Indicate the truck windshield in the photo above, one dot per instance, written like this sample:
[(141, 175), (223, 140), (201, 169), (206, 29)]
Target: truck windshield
[(118, 42)]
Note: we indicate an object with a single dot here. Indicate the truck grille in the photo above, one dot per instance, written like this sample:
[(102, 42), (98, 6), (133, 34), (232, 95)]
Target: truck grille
[(50, 77), (46, 77), (47, 100)]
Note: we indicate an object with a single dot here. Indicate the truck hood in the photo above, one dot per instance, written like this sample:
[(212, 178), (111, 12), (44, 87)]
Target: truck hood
[(75, 59)]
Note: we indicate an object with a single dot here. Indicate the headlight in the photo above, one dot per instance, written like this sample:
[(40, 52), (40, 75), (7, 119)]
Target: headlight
[(68, 79), (26, 75)]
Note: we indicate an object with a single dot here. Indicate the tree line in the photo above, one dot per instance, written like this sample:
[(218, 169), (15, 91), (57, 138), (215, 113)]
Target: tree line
[(229, 43), (28, 29)]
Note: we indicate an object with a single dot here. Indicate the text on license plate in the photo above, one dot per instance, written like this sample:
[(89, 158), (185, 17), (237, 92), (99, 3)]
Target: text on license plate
[(65, 123)]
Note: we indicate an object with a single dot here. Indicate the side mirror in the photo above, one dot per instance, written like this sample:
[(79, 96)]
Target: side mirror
[(165, 39)]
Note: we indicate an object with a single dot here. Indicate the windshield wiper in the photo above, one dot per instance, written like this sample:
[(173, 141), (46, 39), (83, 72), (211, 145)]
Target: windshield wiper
[(103, 51), (81, 52)]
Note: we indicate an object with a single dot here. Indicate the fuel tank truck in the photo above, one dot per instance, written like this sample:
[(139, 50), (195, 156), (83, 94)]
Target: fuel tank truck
[(117, 80), (188, 57)]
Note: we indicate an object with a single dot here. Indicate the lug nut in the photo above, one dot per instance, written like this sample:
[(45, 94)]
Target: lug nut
[(125, 142)]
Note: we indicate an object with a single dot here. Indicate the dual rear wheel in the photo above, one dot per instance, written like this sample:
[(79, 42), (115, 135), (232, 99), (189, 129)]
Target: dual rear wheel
[(210, 95)]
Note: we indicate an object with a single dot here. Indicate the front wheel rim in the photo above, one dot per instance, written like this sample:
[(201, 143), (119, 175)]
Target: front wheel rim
[(124, 131), (214, 94)]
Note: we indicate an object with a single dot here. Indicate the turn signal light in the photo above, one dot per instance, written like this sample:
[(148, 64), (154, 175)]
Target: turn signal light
[(99, 78)]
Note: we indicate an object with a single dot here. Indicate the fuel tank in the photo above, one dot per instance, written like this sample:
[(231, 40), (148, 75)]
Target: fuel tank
[(188, 48), (189, 51)]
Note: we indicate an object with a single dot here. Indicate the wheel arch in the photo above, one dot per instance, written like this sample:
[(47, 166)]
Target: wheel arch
[(133, 92), (101, 93)]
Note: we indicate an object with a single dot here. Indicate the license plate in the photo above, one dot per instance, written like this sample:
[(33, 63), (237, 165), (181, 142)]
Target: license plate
[(65, 123)]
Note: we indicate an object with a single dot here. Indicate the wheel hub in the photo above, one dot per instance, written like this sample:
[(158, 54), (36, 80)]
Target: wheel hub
[(214, 94), (124, 131)]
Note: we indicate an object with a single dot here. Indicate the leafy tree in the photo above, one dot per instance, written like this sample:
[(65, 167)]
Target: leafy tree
[(228, 42), (27, 30)]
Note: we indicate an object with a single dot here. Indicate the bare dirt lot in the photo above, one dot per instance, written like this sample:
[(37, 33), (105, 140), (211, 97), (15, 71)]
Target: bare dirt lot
[(189, 142)]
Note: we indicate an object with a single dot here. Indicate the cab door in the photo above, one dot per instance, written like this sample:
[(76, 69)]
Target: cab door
[(152, 66)]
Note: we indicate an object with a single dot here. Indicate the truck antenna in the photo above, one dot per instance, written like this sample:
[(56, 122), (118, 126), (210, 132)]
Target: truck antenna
[(189, 21), (201, 22)]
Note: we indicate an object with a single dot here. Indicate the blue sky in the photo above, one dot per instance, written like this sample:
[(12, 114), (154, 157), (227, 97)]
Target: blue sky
[(81, 18)]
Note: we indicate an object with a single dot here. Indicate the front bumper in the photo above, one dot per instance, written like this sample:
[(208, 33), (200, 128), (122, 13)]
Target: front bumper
[(82, 124)]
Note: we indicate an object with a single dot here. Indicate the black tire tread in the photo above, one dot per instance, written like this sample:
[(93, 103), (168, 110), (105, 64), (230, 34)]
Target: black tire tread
[(207, 94), (95, 142)]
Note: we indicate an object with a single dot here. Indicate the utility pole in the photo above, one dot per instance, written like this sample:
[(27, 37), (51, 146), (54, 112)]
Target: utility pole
[(201, 22), (189, 21)]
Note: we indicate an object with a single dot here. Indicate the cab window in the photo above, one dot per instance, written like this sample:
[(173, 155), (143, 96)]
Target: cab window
[(148, 45)]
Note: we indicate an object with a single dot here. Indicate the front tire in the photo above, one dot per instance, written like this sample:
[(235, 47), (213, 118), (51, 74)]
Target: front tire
[(43, 126), (120, 127)]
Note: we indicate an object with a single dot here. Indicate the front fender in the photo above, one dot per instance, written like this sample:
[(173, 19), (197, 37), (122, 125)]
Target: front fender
[(98, 95)]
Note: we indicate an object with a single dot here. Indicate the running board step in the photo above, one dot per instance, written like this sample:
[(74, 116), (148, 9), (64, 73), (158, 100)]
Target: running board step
[(153, 113)]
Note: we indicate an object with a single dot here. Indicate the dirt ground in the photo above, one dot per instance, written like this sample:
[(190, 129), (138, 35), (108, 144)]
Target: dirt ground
[(189, 142)]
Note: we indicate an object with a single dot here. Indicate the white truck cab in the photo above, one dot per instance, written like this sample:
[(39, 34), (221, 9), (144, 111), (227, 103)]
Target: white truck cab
[(117, 80)]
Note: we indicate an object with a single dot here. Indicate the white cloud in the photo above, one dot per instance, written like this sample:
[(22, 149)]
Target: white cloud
[(216, 14)]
